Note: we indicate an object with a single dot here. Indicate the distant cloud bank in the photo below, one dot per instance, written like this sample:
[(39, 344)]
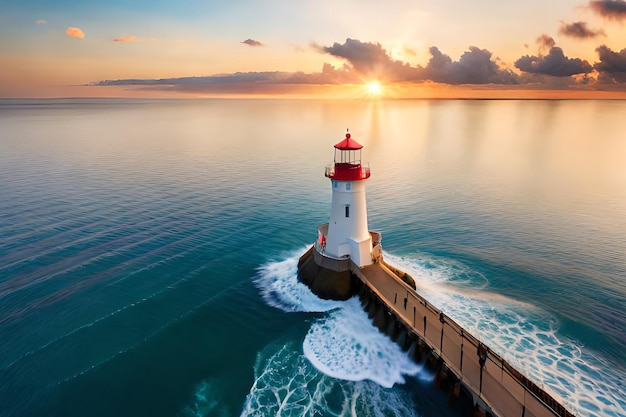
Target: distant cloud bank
[(73, 32), (370, 60), (41, 21), (365, 61)]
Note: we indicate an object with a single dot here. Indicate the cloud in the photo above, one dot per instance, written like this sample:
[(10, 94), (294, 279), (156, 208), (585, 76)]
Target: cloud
[(579, 30), (358, 53), (75, 33), (127, 39), (252, 42), (408, 51), (545, 42), (555, 64), (371, 60), (612, 65), (316, 47), (329, 75), (41, 21), (364, 61), (474, 67), (610, 9)]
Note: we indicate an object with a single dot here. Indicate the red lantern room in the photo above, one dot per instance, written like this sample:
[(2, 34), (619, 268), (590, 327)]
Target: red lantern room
[(347, 163)]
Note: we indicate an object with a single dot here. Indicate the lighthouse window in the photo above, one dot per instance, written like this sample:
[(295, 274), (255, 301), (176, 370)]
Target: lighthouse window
[(348, 186), (347, 211)]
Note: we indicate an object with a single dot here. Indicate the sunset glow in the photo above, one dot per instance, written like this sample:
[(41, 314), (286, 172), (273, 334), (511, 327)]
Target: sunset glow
[(575, 47), (374, 88)]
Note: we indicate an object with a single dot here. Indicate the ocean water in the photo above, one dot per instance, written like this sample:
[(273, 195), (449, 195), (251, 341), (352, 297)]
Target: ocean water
[(148, 252)]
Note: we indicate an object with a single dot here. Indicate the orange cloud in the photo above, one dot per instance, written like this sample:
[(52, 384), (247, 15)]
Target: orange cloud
[(75, 33), (127, 39), (41, 21)]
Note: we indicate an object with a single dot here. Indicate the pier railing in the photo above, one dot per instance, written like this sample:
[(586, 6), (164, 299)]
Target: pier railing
[(488, 376)]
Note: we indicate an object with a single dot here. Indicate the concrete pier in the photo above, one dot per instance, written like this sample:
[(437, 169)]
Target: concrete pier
[(460, 360), (463, 366)]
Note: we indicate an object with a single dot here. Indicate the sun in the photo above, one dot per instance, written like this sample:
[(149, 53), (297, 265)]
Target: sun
[(374, 88)]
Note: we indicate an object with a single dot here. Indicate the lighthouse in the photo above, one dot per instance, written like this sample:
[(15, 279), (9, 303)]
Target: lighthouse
[(344, 243), (348, 235), (346, 260)]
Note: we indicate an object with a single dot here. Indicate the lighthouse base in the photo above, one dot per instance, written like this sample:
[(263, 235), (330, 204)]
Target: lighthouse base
[(326, 279)]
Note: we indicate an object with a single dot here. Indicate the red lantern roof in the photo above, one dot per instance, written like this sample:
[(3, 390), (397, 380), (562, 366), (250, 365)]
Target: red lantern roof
[(348, 144)]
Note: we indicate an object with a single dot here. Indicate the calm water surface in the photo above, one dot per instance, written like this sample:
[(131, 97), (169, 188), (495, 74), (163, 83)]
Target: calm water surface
[(148, 252)]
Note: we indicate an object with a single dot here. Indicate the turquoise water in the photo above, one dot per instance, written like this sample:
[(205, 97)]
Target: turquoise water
[(148, 252)]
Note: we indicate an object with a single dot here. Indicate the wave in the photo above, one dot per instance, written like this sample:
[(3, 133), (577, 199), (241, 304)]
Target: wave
[(345, 345), (286, 384), (523, 334), (279, 286)]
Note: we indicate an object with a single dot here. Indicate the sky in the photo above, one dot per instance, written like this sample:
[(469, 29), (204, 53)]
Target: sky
[(354, 48)]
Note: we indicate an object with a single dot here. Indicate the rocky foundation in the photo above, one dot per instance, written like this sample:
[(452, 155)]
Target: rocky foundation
[(324, 282)]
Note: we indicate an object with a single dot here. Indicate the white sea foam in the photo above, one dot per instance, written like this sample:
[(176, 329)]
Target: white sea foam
[(286, 384), (347, 346), (523, 334), (280, 288)]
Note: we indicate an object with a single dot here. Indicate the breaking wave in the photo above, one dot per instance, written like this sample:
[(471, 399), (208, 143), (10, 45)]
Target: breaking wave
[(345, 345), (280, 288), (286, 384), (524, 335)]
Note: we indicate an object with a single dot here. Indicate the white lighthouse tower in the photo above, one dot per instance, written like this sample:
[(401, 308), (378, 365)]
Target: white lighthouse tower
[(348, 235), (344, 244)]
